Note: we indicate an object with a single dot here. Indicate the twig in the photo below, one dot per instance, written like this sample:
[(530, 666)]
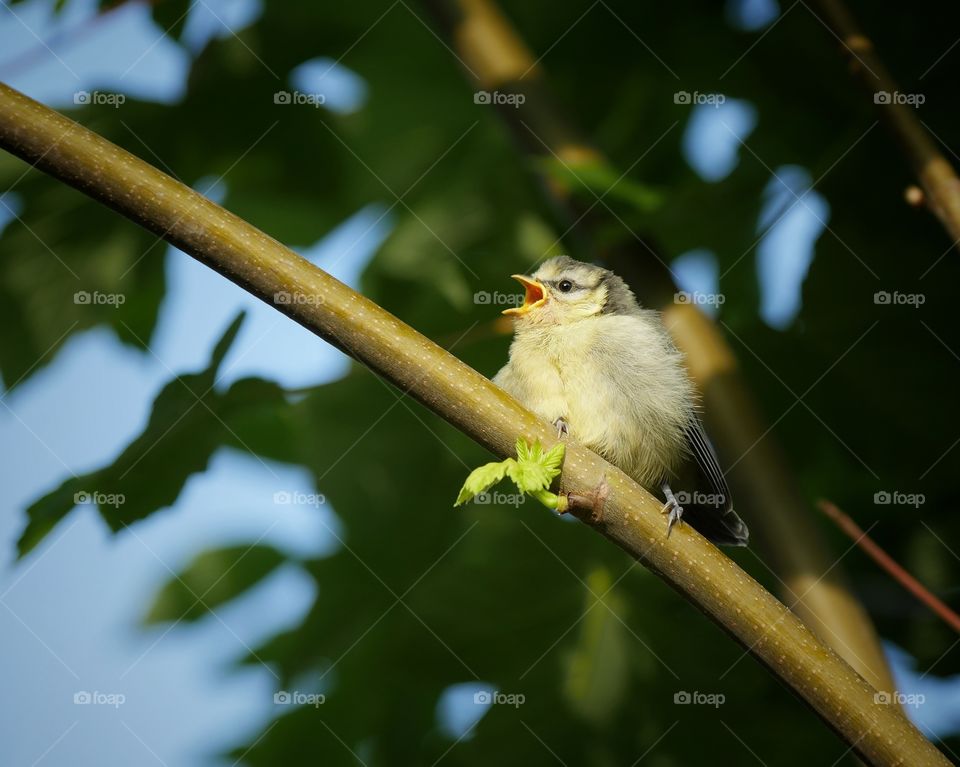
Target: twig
[(933, 170), (878, 555)]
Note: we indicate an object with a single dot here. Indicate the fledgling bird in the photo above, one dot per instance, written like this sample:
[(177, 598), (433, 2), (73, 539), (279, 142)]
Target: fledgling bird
[(588, 359)]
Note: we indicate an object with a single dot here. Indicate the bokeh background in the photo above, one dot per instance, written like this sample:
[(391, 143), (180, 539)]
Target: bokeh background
[(285, 578)]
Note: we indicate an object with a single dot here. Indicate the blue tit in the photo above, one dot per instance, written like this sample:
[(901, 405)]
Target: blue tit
[(587, 358)]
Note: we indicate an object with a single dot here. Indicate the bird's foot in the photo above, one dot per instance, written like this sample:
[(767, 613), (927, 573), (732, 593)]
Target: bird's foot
[(672, 508), (592, 502), (563, 428)]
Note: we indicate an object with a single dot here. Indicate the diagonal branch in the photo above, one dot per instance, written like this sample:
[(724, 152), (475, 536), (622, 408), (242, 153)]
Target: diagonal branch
[(459, 394)]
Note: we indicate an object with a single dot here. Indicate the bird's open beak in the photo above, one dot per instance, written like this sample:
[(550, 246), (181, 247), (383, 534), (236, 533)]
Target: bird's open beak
[(535, 295)]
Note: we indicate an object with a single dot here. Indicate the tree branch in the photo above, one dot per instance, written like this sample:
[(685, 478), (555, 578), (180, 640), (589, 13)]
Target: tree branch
[(936, 175), (765, 488), (459, 394), (888, 563)]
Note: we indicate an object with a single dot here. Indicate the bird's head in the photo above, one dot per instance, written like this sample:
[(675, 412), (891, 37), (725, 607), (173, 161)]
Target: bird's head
[(563, 290)]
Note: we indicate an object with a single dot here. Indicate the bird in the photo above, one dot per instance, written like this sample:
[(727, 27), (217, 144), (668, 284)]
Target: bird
[(589, 359)]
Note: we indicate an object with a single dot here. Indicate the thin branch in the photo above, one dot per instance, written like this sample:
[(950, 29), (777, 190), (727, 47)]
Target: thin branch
[(895, 570), (763, 484), (467, 400), (934, 172)]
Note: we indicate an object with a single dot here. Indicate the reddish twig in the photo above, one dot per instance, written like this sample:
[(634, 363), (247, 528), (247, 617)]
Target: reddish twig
[(885, 561)]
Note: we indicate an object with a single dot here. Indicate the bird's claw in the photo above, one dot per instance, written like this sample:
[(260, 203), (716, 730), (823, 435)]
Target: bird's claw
[(562, 428), (675, 514), (672, 508)]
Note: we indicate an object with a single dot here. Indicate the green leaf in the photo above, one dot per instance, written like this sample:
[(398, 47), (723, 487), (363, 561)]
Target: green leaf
[(482, 479), (598, 177), (534, 470), (92, 270), (189, 421), (213, 578)]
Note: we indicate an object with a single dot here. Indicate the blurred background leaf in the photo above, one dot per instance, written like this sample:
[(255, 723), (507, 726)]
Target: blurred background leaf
[(212, 579)]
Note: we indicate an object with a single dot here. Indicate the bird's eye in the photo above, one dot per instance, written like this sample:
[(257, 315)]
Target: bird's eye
[(565, 286)]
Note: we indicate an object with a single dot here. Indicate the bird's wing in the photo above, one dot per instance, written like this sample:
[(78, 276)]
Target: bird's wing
[(719, 522), (707, 461)]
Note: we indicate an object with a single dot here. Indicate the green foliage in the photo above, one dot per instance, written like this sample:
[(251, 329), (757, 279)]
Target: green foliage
[(532, 471), (597, 669), (482, 479), (597, 178), (421, 599), (189, 421), (212, 579)]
